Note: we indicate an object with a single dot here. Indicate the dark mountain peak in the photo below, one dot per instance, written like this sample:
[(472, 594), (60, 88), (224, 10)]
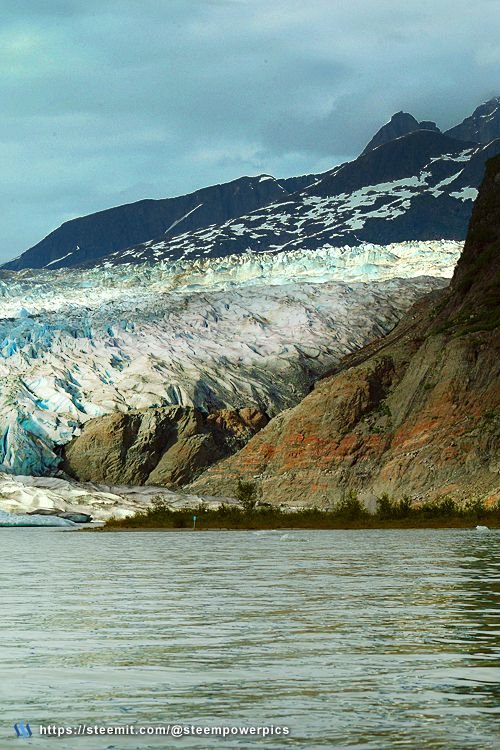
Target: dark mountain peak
[(400, 124), (420, 186), (482, 126), (402, 118), (487, 108), (412, 182), (401, 157)]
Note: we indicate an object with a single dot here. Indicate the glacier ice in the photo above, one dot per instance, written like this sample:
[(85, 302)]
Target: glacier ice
[(228, 332), (22, 519)]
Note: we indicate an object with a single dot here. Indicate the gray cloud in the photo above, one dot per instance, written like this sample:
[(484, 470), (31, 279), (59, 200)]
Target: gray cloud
[(112, 101)]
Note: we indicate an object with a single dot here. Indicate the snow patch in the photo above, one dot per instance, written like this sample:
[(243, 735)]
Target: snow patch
[(58, 260), (178, 221), (466, 194)]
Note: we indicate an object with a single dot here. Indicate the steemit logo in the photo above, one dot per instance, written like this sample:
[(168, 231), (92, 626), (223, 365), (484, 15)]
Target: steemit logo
[(23, 730)]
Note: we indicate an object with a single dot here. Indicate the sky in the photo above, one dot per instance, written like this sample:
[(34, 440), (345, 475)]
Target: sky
[(110, 101)]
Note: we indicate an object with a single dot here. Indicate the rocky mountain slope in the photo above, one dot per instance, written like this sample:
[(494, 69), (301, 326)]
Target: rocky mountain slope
[(415, 413), (166, 446), (410, 183)]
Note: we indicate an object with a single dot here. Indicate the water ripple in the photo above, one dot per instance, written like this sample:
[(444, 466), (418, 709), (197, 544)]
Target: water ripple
[(355, 639)]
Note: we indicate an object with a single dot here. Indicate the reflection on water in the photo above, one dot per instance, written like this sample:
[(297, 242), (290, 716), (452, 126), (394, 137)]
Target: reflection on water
[(354, 639)]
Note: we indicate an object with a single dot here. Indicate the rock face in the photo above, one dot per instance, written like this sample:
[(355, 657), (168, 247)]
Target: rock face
[(415, 413), (164, 446)]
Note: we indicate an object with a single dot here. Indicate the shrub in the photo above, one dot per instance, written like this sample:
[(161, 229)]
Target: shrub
[(159, 505), (389, 509), (247, 495), (385, 506), (441, 507), (474, 509), (350, 507), (405, 507), (180, 522)]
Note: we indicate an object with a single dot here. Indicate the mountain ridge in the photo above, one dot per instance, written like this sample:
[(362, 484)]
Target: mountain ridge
[(430, 197), (119, 234), (87, 238), (482, 126)]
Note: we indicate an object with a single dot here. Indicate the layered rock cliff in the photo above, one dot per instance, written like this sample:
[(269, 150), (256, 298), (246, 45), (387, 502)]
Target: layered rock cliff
[(415, 413), (164, 446)]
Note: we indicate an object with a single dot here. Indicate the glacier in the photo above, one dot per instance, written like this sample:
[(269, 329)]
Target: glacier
[(250, 329), (21, 495)]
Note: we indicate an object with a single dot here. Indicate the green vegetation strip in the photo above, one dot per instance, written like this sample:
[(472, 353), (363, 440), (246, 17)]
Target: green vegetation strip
[(349, 513)]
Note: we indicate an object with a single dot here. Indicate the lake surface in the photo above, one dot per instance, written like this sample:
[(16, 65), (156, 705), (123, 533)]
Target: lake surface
[(353, 639)]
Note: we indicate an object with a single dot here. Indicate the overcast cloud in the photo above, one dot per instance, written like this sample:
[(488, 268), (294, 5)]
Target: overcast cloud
[(108, 102)]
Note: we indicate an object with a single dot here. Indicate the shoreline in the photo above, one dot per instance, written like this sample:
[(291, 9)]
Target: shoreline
[(380, 526)]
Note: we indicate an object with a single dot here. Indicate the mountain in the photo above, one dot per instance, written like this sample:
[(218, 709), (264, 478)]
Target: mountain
[(416, 413), (420, 186), (400, 124), (482, 126), (411, 182), (89, 237)]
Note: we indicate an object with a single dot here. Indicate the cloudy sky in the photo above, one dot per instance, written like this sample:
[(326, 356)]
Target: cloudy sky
[(109, 101)]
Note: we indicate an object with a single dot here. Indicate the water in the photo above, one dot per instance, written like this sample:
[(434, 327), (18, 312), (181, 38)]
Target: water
[(354, 639)]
